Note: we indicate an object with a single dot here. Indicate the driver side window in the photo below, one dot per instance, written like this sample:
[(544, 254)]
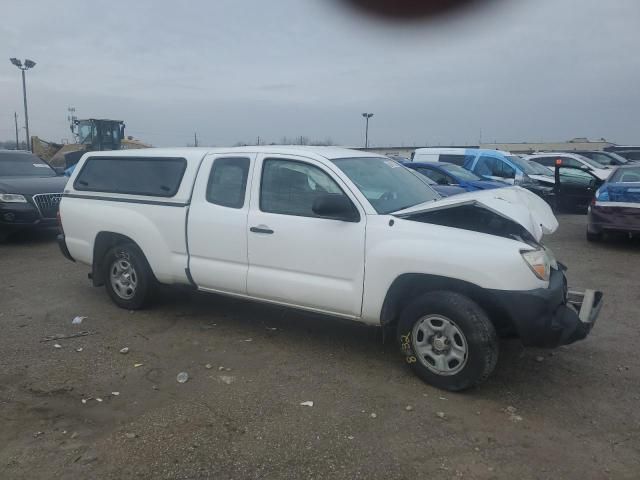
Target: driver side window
[(291, 187)]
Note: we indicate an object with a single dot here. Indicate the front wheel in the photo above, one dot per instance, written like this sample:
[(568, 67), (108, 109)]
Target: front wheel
[(128, 278), (448, 340)]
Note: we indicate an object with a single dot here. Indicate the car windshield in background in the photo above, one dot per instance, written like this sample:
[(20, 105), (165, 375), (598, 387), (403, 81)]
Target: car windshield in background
[(621, 160), (541, 169), (23, 165), (459, 172), (591, 162), (522, 164), (386, 184), (626, 175)]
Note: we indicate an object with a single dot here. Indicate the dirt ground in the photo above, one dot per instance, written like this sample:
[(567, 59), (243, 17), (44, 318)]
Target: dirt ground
[(572, 413)]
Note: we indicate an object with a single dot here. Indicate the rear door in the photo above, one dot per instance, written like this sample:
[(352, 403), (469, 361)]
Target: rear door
[(217, 223), (296, 257)]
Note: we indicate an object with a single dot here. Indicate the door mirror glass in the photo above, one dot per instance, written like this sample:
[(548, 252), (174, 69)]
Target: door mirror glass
[(336, 207)]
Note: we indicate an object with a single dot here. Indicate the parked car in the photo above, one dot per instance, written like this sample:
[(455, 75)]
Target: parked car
[(549, 159), (449, 174), (30, 192), (444, 190), (610, 159), (295, 226), (616, 206), (630, 152)]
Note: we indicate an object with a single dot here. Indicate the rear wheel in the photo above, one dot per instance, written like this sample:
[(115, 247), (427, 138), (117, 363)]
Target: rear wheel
[(128, 278), (448, 340)]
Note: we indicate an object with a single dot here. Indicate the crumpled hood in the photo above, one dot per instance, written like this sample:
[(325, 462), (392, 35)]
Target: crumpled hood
[(514, 203)]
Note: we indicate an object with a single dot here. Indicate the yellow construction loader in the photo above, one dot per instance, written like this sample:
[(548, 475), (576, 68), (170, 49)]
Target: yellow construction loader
[(91, 135)]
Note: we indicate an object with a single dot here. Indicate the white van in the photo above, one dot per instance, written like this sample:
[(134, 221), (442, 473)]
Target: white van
[(456, 156)]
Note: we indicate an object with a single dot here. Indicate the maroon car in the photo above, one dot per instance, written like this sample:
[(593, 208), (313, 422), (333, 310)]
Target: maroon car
[(616, 205)]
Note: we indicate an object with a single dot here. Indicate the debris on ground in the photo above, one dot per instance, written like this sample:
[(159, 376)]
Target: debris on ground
[(208, 366), (441, 415), (408, 408), (60, 336), (77, 320), (37, 434), (308, 403), (351, 437), (273, 329), (74, 435), (98, 399), (220, 368), (512, 414), (136, 365), (249, 340), (539, 359), (227, 379), (373, 415), (182, 377), (79, 349), (115, 394), (130, 435), (124, 350), (57, 345)]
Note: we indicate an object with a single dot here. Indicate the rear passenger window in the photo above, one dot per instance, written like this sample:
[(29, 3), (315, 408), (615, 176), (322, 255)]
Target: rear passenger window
[(228, 182), (546, 161), (155, 177), (455, 159)]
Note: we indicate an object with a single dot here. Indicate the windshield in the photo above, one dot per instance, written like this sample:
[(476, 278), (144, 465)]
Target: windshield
[(23, 165), (540, 169), (459, 172), (591, 162), (626, 175), (522, 164), (386, 184)]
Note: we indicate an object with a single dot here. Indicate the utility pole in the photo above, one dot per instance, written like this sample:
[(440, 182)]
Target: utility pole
[(15, 118), (195, 139), (27, 65), (258, 140), (367, 116)]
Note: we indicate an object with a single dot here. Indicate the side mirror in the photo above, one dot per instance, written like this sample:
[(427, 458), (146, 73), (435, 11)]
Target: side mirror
[(335, 207), (59, 171)]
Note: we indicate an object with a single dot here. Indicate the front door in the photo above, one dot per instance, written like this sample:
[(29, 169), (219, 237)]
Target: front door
[(574, 187), (217, 223), (295, 256)]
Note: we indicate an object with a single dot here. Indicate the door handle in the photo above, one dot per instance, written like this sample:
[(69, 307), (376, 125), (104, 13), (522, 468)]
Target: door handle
[(261, 229)]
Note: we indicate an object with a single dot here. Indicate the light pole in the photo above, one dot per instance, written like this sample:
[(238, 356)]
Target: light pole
[(27, 65), (367, 116)]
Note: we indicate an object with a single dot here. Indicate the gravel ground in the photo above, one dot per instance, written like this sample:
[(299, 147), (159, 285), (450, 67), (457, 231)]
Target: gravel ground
[(569, 413)]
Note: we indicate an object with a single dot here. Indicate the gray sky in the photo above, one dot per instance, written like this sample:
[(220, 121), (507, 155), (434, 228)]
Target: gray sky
[(518, 70)]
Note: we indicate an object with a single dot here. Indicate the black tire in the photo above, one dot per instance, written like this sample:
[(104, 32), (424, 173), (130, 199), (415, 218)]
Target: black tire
[(594, 237), (479, 335), (145, 282)]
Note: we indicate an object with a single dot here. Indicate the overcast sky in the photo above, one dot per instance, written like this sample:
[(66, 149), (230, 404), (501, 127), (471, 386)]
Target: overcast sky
[(518, 70)]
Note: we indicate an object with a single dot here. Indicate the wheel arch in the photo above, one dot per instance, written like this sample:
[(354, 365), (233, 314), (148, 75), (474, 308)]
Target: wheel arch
[(408, 286), (104, 242)]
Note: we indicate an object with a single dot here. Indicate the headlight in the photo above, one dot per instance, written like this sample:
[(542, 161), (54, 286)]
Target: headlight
[(12, 198), (538, 262)]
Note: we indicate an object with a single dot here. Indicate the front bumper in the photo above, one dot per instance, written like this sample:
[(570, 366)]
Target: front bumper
[(19, 216), (552, 316)]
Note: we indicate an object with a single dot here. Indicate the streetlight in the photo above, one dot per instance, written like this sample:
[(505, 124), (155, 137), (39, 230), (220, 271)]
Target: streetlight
[(367, 116), (27, 65)]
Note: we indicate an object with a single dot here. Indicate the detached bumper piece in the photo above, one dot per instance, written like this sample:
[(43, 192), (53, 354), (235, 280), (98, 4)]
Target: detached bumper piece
[(579, 315)]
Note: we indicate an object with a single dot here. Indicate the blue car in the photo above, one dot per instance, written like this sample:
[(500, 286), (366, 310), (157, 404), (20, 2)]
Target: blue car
[(448, 174)]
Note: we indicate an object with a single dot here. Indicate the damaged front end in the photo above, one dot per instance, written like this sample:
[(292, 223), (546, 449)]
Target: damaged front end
[(543, 317)]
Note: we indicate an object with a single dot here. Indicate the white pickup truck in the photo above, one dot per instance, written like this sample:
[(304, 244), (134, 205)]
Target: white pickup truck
[(330, 230)]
